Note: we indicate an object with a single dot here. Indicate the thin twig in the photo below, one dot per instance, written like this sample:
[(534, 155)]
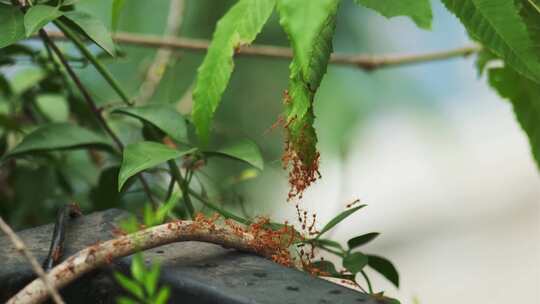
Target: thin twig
[(59, 233), (43, 280), (100, 254), (92, 104), (365, 62), (161, 61)]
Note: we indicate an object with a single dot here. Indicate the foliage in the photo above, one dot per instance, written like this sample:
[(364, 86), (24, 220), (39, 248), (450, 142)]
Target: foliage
[(143, 284)]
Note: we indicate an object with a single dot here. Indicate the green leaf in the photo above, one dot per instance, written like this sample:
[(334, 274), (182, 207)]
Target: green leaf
[(326, 266), (529, 10), (483, 58), (384, 267), (143, 155), (340, 217), (238, 27), (151, 279), (94, 29), (525, 98), (138, 267), (310, 26), (12, 25), (362, 240), (125, 300), (57, 136), (418, 10), (132, 286), (355, 262), (53, 106), (26, 79), (163, 117), (499, 27), (117, 6), (163, 296), (328, 243), (38, 16), (244, 150)]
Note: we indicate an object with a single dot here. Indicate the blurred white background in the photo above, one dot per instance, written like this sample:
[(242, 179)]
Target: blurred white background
[(455, 193)]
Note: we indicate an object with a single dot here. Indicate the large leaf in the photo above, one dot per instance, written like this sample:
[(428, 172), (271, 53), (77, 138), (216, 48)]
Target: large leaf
[(340, 217), (355, 261), (310, 26), (163, 117), (418, 10), (384, 267), (529, 11), (38, 16), (93, 28), (57, 136), (144, 155), (238, 27), (499, 27), (525, 97), (244, 150), (12, 25)]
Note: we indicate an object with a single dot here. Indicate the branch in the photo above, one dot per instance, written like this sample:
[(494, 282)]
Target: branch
[(57, 244), (227, 235), (43, 280), (365, 62)]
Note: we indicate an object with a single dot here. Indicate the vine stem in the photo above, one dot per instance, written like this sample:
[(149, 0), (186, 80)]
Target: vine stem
[(365, 62), (100, 254), (92, 104), (45, 281), (184, 186), (367, 281)]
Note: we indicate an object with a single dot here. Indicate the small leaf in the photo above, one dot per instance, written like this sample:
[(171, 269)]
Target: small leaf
[(125, 300), (326, 266), (418, 10), (384, 267), (340, 217), (163, 296), (355, 262), (244, 150), (362, 239), (53, 106), (328, 243), (117, 6), (144, 155), (151, 279), (138, 267), (12, 25), (38, 16), (163, 117), (94, 29), (26, 79), (238, 27), (129, 285), (57, 136)]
